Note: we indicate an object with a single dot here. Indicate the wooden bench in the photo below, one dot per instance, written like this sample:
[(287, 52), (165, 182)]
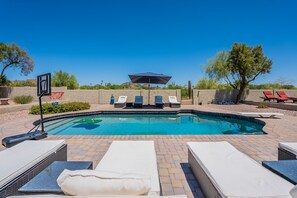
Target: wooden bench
[(4, 101)]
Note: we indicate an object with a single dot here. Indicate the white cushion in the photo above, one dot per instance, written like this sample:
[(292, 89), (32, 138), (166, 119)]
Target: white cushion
[(122, 99), (173, 100), (132, 157), (289, 146), (92, 182), (21, 157), (293, 192), (126, 196), (234, 174)]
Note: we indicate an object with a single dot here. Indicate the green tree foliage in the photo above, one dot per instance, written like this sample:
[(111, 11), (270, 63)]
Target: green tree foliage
[(183, 89), (23, 83), (63, 79), (4, 80), (13, 56), (242, 65)]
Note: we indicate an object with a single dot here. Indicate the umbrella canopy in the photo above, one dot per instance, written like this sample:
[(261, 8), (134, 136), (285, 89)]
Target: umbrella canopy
[(150, 78)]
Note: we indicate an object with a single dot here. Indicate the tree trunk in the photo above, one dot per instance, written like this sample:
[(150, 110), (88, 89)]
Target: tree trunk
[(240, 93)]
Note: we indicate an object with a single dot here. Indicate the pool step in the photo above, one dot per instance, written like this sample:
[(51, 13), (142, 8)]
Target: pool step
[(57, 123)]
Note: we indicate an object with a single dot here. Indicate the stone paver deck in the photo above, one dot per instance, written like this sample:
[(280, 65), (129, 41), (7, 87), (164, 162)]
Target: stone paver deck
[(175, 174)]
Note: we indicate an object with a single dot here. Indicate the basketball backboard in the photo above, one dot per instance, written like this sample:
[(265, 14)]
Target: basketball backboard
[(44, 84)]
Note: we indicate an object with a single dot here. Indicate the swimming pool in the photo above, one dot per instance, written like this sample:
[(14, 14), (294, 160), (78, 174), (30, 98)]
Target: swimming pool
[(153, 124)]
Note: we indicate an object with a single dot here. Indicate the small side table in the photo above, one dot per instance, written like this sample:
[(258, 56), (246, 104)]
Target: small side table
[(46, 180), (287, 169)]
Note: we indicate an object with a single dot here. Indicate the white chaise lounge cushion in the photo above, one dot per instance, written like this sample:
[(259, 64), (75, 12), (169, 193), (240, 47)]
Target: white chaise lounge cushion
[(132, 157), (173, 100), (21, 157), (121, 99), (289, 146), (92, 182), (234, 174), (126, 196)]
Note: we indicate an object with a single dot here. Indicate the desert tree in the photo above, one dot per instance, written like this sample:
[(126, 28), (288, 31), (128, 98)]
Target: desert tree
[(239, 67)]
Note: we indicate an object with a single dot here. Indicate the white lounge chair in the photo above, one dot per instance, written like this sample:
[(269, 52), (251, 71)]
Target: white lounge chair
[(23, 161), (121, 102), (173, 102), (287, 151), (260, 114), (132, 157), (128, 157), (223, 171)]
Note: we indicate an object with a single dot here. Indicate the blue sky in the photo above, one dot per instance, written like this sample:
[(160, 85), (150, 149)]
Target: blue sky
[(107, 40)]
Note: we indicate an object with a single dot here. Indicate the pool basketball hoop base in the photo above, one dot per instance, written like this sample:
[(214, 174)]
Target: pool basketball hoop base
[(43, 89)]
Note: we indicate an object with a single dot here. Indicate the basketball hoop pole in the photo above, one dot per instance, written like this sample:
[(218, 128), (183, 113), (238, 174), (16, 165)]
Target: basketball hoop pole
[(41, 113), (43, 89)]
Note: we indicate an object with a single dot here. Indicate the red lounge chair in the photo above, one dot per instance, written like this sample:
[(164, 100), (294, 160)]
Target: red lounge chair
[(269, 96), (282, 94), (56, 95)]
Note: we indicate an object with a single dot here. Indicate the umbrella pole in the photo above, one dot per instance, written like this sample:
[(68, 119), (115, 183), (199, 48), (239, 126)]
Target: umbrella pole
[(149, 92)]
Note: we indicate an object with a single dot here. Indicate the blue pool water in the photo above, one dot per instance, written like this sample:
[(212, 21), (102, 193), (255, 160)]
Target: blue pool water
[(139, 124)]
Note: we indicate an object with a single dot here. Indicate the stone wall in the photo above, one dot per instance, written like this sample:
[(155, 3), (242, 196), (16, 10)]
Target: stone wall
[(91, 96), (103, 96), (11, 92)]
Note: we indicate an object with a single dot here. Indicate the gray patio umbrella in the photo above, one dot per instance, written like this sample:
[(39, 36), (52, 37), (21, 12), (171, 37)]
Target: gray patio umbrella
[(149, 78)]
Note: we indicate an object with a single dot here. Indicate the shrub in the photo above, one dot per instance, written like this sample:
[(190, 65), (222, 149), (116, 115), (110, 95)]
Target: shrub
[(48, 108), (23, 99), (262, 106)]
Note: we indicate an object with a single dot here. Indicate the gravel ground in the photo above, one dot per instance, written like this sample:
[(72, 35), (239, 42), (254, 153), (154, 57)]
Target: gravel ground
[(13, 115)]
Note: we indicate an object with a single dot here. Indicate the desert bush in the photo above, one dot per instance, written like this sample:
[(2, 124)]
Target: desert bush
[(48, 108), (262, 106), (23, 99)]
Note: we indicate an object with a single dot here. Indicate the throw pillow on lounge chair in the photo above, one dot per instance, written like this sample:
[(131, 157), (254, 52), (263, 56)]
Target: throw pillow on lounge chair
[(92, 182)]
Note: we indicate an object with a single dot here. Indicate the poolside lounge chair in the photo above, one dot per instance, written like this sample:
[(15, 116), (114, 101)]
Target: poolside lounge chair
[(22, 162), (223, 171), (159, 102), (287, 151), (269, 96), (282, 94), (132, 157), (173, 103), (261, 114), (138, 102), (121, 102), (56, 95)]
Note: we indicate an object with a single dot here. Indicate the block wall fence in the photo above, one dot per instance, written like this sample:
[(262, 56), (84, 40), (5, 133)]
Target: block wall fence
[(91, 96), (103, 96)]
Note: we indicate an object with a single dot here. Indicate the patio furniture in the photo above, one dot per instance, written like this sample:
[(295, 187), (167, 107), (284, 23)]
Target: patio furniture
[(287, 151), (138, 102), (121, 102), (159, 102), (56, 95), (223, 171), (261, 114), (46, 181), (4, 101), (150, 78), (269, 96), (282, 94), (22, 162), (173, 103), (137, 157), (284, 168)]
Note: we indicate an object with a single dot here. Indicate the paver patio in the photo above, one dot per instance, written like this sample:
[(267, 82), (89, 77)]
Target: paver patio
[(175, 173)]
